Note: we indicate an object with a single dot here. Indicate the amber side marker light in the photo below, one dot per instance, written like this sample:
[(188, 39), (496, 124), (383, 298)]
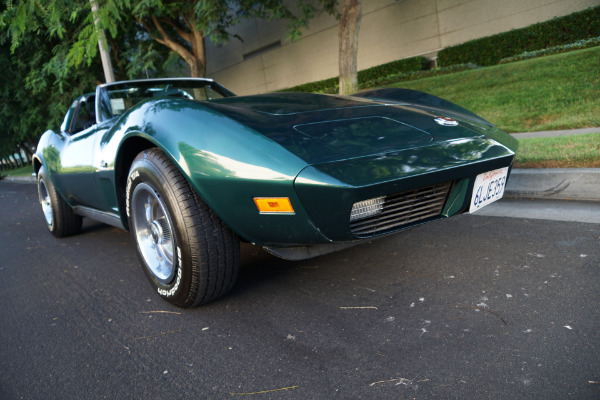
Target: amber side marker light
[(274, 205)]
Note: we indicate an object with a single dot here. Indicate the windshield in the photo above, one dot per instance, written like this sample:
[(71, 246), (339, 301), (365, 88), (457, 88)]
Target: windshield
[(117, 98)]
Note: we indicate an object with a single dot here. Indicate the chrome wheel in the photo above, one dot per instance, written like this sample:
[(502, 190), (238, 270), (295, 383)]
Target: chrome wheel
[(45, 201), (153, 231)]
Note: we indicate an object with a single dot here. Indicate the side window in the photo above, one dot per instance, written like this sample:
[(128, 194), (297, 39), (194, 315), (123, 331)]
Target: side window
[(66, 124), (85, 115)]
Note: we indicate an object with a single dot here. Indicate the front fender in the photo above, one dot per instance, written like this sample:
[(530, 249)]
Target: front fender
[(225, 162), (38, 157), (47, 154)]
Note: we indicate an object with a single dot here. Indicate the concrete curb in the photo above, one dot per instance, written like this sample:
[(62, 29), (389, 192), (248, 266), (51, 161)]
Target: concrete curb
[(555, 183)]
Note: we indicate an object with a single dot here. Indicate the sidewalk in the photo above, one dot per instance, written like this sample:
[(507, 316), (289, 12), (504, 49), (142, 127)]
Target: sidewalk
[(545, 183), (567, 132)]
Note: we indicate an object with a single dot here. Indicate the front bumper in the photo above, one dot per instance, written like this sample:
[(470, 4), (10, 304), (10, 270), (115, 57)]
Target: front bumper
[(328, 191)]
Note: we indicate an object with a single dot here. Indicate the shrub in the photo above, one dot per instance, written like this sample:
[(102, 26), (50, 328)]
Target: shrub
[(409, 76), (325, 86), (491, 49), (580, 44), (397, 67), (394, 67)]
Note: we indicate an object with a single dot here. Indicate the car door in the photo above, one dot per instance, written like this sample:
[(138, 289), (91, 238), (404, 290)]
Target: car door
[(75, 175)]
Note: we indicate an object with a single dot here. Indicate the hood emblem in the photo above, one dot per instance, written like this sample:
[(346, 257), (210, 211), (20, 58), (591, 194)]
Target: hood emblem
[(446, 121)]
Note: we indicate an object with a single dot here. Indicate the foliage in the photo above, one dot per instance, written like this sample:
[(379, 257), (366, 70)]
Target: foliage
[(409, 76), (56, 19), (558, 31), (580, 44), (366, 76), (32, 98), (329, 86), (41, 84), (395, 67), (179, 25)]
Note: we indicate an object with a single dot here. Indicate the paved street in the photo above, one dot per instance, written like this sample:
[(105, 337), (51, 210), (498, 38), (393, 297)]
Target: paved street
[(473, 307)]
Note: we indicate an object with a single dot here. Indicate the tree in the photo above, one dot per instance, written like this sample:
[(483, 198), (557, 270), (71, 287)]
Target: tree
[(180, 25), (348, 28), (45, 44), (42, 82), (40, 86)]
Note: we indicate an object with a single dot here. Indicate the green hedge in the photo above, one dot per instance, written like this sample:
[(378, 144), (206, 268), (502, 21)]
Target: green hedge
[(394, 67), (325, 86), (578, 45), (491, 49), (398, 67), (409, 76)]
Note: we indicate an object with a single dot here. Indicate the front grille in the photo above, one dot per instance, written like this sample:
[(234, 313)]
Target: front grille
[(403, 209)]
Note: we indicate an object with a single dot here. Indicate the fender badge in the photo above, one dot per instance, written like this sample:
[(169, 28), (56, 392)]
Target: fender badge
[(446, 121)]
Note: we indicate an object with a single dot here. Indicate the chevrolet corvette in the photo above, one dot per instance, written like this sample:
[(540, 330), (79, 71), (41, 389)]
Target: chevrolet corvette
[(191, 170)]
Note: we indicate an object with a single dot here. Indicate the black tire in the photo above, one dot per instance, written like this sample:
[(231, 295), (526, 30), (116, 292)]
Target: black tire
[(59, 217), (189, 255)]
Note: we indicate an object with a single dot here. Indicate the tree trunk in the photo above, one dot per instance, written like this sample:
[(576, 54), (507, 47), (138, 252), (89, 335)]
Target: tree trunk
[(349, 26), (197, 67), (25, 147), (20, 158), (13, 161), (31, 147), (199, 53)]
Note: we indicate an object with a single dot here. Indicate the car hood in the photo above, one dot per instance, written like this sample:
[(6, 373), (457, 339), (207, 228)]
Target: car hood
[(326, 128)]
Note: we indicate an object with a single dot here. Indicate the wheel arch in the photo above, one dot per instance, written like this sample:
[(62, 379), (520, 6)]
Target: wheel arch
[(38, 157), (37, 163), (128, 150)]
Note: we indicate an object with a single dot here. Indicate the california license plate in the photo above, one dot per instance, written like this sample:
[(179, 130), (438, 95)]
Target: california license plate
[(488, 188)]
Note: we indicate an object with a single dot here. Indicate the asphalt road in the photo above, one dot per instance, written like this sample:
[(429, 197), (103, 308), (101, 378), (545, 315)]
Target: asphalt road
[(475, 307)]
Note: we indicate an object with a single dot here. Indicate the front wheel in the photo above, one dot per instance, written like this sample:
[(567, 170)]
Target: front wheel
[(60, 219), (189, 255)]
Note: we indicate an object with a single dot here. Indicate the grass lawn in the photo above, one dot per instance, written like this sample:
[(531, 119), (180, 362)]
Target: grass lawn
[(578, 151), (560, 91), (23, 171)]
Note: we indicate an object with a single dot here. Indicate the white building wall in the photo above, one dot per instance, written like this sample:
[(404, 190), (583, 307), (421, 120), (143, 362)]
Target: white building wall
[(390, 30)]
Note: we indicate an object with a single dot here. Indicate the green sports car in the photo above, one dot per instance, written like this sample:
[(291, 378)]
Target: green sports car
[(191, 170)]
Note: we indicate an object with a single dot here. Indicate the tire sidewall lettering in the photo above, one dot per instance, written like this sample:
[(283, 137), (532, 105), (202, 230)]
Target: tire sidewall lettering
[(171, 292), (132, 177)]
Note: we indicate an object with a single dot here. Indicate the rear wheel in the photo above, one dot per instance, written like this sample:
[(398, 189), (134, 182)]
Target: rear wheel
[(189, 255), (60, 219)]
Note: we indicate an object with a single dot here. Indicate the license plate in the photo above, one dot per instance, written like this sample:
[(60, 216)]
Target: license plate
[(488, 188)]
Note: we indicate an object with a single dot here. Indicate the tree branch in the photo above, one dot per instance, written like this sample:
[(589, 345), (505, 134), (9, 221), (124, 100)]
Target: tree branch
[(184, 35), (173, 45)]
